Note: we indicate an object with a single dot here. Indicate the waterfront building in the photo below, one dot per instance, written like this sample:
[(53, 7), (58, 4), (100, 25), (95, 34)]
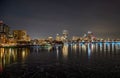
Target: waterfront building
[(4, 28), (58, 37), (20, 35), (3, 38), (9, 38), (65, 35), (4, 32), (89, 36)]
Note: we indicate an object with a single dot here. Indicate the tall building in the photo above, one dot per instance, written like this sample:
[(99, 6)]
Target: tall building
[(4, 32), (4, 28), (65, 35), (58, 38), (3, 38), (89, 36)]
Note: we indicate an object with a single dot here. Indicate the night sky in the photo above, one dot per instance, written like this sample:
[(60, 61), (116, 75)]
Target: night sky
[(42, 18)]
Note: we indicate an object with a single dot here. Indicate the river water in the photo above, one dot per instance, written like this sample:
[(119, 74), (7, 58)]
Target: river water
[(92, 60)]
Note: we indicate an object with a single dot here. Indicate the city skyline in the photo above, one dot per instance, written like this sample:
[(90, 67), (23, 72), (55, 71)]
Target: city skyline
[(47, 18), (100, 35)]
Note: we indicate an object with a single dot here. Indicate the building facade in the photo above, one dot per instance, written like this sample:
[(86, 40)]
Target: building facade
[(4, 32), (20, 35)]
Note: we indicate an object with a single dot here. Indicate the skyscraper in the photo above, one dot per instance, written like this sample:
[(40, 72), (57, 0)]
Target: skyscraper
[(4, 32), (65, 34), (4, 28)]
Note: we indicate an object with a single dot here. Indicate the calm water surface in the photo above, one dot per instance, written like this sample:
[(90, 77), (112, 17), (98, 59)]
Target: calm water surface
[(70, 61)]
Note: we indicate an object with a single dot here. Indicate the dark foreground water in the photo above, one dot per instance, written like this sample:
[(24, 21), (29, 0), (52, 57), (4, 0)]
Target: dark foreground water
[(70, 61)]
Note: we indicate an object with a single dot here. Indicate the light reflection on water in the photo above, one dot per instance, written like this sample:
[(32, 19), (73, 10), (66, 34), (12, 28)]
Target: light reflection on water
[(89, 50), (80, 53), (65, 51), (9, 56)]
